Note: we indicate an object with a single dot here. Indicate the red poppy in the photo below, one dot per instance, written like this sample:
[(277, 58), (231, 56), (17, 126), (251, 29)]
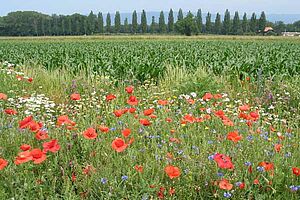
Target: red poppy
[(220, 113), (88, 170), (223, 161), (148, 112), (51, 146), (244, 108), (3, 96), (103, 129), (118, 113), (277, 147), (132, 101), (172, 171), (224, 184), (90, 134), (139, 168), (254, 116), (227, 122), (3, 163), (38, 156), (266, 165), (41, 135), (256, 182), (169, 120), (25, 122), (218, 96), (10, 111), (64, 120), (25, 147), (34, 126), (126, 132), (207, 96), (129, 89), (119, 145), (132, 110), (23, 157), (75, 97), (296, 171), (234, 136), (162, 102), (110, 97), (171, 191), (189, 118), (242, 185), (145, 122)]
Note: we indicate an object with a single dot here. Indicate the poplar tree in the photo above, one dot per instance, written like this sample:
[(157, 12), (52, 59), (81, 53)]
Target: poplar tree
[(100, 23), (253, 23), (262, 21), (218, 24), (134, 22), (108, 23), (171, 21), (180, 15), (126, 25), (144, 22), (226, 23), (153, 25), (162, 24), (245, 23), (199, 21), (208, 25), (117, 22), (236, 24)]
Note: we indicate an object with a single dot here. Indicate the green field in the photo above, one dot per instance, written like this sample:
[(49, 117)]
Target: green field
[(210, 117)]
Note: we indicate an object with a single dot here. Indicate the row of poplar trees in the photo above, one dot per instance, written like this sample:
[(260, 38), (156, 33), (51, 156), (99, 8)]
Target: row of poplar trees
[(34, 23)]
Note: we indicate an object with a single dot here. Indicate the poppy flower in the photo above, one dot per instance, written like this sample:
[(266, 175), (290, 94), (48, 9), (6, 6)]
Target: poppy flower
[(277, 147), (30, 80), (218, 96), (10, 111), (75, 97), (227, 122), (119, 145), (3, 163), (189, 118), (148, 112), (171, 191), (234, 136), (145, 122), (51, 146), (172, 171), (38, 156), (3, 96), (110, 97), (266, 165), (118, 113), (90, 134), (296, 171), (88, 170), (41, 135), (139, 168), (207, 96), (254, 116), (132, 110), (162, 102), (25, 147), (34, 126), (64, 120), (126, 132), (132, 101), (103, 129), (129, 89), (224, 184), (244, 108), (23, 157), (25, 122), (223, 161), (219, 113)]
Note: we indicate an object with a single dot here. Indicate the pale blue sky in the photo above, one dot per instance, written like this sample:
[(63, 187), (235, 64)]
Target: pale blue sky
[(84, 6)]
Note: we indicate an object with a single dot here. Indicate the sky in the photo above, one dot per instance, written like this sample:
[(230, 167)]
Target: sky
[(127, 6)]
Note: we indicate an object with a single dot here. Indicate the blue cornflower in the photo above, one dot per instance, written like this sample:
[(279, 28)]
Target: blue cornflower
[(248, 163), (124, 178), (260, 169), (220, 174), (103, 180), (294, 188), (227, 194)]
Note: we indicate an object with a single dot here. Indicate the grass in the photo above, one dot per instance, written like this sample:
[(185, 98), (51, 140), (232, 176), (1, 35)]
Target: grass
[(185, 133)]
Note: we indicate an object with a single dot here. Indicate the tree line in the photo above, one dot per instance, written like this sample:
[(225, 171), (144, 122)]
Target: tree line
[(30, 23)]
